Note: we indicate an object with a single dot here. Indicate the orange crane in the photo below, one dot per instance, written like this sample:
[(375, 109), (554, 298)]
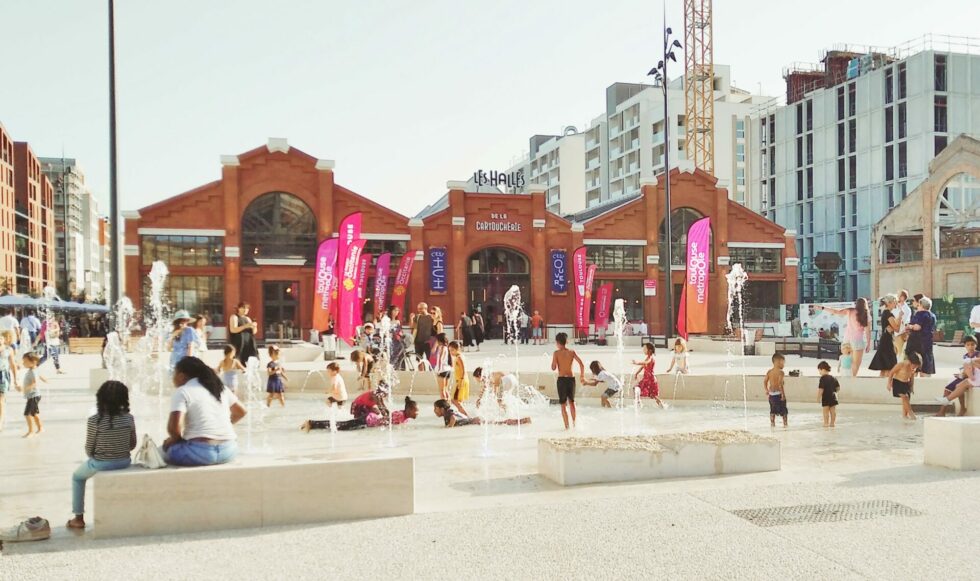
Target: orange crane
[(699, 77)]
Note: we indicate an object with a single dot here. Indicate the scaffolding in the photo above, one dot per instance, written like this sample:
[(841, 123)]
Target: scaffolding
[(699, 80)]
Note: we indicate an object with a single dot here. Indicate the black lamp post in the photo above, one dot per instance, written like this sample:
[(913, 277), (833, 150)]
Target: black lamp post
[(114, 284), (659, 73)]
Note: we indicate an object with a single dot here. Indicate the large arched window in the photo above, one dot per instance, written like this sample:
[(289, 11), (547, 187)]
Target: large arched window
[(278, 228), (680, 222), (958, 219), (491, 273)]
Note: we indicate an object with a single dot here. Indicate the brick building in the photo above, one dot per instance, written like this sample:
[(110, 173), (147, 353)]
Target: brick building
[(26, 220), (251, 236)]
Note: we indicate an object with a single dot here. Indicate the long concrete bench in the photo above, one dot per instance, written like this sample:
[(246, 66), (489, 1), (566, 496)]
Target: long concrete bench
[(571, 461), (952, 442), (139, 502)]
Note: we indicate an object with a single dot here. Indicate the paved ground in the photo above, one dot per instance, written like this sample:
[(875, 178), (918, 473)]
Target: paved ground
[(483, 512)]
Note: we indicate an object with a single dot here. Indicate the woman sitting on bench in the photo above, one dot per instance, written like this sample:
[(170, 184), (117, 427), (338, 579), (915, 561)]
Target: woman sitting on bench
[(202, 412)]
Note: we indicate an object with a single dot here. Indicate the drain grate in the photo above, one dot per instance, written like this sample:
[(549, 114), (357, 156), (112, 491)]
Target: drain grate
[(833, 512)]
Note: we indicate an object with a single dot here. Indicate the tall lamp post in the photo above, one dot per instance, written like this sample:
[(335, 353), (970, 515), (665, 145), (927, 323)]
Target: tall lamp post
[(659, 73), (113, 194)]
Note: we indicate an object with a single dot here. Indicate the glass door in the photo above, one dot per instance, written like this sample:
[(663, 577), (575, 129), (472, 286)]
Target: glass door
[(280, 309)]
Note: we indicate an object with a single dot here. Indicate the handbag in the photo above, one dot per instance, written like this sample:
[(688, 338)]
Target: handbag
[(149, 455)]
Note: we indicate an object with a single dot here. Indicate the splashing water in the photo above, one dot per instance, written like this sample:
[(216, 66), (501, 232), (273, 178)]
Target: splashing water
[(513, 309), (388, 372), (737, 278), (619, 329), (253, 398)]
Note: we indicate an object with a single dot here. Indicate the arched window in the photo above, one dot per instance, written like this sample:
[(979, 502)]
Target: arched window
[(278, 227), (680, 222), (491, 273), (958, 218)]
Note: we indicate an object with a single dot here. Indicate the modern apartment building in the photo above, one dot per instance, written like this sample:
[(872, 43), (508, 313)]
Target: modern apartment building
[(80, 248), (26, 220), (856, 135), (624, 144)]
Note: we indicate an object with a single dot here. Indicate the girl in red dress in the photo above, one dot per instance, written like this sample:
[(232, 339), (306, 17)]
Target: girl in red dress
[(648, 384)]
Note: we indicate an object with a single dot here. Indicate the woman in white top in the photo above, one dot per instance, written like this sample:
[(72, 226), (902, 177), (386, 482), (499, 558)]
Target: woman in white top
[(202, 414)]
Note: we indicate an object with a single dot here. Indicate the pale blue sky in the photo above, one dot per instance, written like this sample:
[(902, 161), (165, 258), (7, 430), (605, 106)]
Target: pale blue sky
[(403, 95)]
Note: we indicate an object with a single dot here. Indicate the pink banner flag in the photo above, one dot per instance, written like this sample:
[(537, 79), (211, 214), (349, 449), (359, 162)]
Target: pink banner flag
[(350, 230), (589, 280), (402, 278), (692, 316), (363, 270), (603, 300), (347, 321), (381, 284), (326, 275), (579, 269)]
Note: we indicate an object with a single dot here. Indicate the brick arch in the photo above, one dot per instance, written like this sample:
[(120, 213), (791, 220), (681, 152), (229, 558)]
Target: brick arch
[(470, 251), (254, 190)]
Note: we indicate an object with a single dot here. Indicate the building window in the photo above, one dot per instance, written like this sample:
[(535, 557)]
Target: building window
[(376, 248), (889, 124), (809, 218), (940, 72), (799, 118), (194, 294), (616, 258), (740, 176), (890, 196), (903, 161), (809, 149), (740, 129), (851, 99), (841, 175), (889, 163), (902, 121), (681, 220), (901, 81), (772, 160), (767, 260), (740, 152), (809, 115), (840, 103), (182, 250), (809, 182), (799, 151), (799, 185), (278, 226), (940, 144), (800, 220), (852, 136), (902, 249), (852, 170), (841, 140), (940, 114), (889, 85), (853, 201), (631, 291)]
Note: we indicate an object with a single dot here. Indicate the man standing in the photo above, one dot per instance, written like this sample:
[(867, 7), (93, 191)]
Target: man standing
[(537, 328), (903, 314), (524, 321), (9, 327), (32, 324), (422, 331)]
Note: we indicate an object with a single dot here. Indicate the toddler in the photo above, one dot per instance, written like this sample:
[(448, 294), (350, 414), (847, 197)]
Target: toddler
[(846, 358), (276, 386), (8, 376), (775, 386), (679, 358), (827, 393), (338, 389), (32, 411), (900, 380), (228, 369)]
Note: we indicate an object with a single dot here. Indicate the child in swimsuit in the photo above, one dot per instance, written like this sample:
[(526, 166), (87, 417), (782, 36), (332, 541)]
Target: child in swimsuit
[(228, 369), (774, 384), (900, 380)]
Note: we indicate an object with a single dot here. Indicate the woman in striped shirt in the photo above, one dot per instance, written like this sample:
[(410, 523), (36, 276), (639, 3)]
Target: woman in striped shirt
[(110, 437)]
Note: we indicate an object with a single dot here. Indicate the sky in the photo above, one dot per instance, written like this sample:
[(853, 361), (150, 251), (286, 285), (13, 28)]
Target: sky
[(404, 96)]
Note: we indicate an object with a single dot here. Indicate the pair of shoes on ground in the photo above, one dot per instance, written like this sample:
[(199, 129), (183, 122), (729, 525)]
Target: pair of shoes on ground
[(32, 529)]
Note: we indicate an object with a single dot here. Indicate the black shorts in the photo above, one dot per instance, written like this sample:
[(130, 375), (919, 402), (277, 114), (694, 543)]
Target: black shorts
[(566, 389), (339, 402), (610, 393), (31, 408), (444, 374)]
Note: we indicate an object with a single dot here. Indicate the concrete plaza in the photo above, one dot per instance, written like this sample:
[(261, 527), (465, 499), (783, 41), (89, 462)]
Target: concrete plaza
[(482, 511)]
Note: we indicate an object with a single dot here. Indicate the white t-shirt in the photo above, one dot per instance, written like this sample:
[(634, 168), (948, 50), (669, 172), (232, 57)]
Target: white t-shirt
[(338, 389), (612, 382), (975, 318), (204, 416), (509, 382), (903, 314), (8, 323)]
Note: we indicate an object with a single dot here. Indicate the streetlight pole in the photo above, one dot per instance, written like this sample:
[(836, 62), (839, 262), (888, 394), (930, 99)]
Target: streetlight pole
[(113, 194), (659, 73)]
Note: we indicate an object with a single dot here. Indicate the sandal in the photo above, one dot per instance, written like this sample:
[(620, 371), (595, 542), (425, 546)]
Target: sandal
[(75, 526)]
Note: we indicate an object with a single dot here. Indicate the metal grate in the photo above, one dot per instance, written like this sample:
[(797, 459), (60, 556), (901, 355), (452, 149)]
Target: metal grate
[(833, 512)]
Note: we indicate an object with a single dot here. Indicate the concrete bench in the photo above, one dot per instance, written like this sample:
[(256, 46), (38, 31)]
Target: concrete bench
[(81, 345), (570, 461), (139, 502), (952, 443)]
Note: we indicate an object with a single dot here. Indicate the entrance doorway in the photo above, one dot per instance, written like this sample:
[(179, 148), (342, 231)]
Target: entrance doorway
[(492, 271), (280, 310)]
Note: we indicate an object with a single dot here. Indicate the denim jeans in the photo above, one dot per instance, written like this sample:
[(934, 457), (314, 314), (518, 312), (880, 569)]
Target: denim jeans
[(188, 453), (87, 470), (51, 351)]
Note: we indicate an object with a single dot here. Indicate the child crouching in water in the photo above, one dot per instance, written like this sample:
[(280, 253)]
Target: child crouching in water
[(338, 389), (600, 375), (900, 380), (32, 410), (827, 393), (228, 369), (109, 438), (775, 386), (276, 386)]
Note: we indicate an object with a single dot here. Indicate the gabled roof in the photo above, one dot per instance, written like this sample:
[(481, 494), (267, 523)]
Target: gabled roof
[(607, 206)]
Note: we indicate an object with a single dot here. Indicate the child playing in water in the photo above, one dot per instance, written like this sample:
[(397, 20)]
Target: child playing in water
[(900, 380), (228, 369), (679, 357), (276, 386), (648, 384), (32, 411), (337, 393), (969, 375), (775, 386), (8, 375), (371, 419), (364, 362), (561, 361), (453, 419), (827, 394), (461, 381), (500, 382), (600, 375), (846, 358)]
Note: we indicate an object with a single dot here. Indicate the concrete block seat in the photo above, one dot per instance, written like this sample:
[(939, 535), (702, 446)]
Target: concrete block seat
[(139, 502), (952, 442), (586, 460)]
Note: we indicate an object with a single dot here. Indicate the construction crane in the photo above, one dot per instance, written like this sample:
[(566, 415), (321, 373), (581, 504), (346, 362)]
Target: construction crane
[(699, 75)]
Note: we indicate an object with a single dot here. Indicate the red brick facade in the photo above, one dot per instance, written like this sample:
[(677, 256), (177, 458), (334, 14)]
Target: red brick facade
[(218, 206)]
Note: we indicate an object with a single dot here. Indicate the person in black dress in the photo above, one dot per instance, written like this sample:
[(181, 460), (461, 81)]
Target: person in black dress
[(885, 357), (241, 333)]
